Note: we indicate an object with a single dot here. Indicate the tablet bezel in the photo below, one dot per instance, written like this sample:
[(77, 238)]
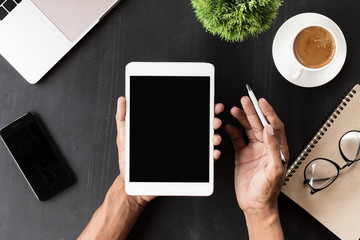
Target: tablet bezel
[(169, 69)]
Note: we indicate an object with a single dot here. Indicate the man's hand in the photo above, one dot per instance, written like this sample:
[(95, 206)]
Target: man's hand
[(119, 211), (259, 172), (120, 141)]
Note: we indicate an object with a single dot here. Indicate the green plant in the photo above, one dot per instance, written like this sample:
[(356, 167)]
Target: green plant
[(236, 20)]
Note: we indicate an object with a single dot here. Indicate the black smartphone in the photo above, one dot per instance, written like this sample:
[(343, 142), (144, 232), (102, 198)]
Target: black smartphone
[(36, 156)]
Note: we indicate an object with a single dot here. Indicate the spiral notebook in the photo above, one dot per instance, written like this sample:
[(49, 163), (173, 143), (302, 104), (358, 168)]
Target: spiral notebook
[(337, 207)]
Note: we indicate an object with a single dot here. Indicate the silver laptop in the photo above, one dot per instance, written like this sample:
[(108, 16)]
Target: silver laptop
[(36, 34)]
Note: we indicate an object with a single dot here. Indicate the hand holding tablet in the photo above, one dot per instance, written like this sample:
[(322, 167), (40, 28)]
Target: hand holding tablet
[(120, 122), (167, 120)]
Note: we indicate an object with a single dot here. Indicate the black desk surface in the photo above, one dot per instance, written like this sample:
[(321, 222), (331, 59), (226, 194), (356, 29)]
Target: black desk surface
[(77, 101)]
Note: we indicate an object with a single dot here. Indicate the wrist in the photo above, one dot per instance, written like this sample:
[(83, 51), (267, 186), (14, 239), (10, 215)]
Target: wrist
[(117, 190), (263, 212), (116, 216), (264, 223), (259, 216)]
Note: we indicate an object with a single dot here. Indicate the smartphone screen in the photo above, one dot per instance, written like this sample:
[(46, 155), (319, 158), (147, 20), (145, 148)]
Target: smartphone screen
[(36, 156)]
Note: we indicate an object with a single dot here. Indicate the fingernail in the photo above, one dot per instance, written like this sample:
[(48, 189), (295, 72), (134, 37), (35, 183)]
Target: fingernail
[(270, 130)]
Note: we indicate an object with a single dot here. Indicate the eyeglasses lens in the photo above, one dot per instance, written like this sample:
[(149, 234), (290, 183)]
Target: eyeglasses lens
[(320, 173), (350, 145)]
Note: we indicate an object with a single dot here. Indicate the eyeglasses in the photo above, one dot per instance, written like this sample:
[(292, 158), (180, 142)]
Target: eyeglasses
[(321, 172)]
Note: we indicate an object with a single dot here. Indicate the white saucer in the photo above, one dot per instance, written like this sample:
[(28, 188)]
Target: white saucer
[(282, 54)]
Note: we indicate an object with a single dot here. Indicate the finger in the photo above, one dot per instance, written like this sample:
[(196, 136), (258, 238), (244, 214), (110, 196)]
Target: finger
[(217, 154), (219, 107), (216, 139), (235, 136), (252, 117), (217, 123), (274, 168), (277, 124), (120, 120), (241, 117)]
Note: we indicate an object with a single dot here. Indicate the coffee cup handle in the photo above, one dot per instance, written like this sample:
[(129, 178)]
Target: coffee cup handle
[(297, 72)]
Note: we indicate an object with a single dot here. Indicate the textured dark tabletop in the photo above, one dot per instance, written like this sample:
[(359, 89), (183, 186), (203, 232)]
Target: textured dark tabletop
[(77, 99)]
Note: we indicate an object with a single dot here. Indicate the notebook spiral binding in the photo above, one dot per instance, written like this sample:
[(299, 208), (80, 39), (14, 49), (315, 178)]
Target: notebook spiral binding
[(312, 144)]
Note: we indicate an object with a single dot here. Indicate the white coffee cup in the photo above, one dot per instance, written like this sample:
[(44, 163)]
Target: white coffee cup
[(298, 67)]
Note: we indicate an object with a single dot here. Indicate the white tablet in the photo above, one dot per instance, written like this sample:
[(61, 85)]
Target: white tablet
[(169, 115)]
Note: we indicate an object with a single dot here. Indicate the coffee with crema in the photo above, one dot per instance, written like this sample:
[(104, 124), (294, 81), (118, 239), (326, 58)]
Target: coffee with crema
[(314, 47)]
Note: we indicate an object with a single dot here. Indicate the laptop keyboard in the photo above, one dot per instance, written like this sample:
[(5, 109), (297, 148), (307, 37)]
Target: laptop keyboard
[(6, 6)]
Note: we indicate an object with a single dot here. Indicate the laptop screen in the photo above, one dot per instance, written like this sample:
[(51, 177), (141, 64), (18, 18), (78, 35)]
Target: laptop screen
[(74, 17)]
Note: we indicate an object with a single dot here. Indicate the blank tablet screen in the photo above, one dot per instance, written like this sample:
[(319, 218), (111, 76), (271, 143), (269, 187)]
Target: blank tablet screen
[(169, 129)]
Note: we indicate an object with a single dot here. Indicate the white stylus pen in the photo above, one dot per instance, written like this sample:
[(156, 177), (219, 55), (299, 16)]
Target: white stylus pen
[(260, 114)]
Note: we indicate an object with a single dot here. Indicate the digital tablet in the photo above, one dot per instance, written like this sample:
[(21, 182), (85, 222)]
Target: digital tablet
[(169, 115)]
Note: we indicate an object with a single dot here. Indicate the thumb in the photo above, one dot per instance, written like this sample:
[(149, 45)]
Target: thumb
[(274, 164), (120, 123), (120, 116)]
